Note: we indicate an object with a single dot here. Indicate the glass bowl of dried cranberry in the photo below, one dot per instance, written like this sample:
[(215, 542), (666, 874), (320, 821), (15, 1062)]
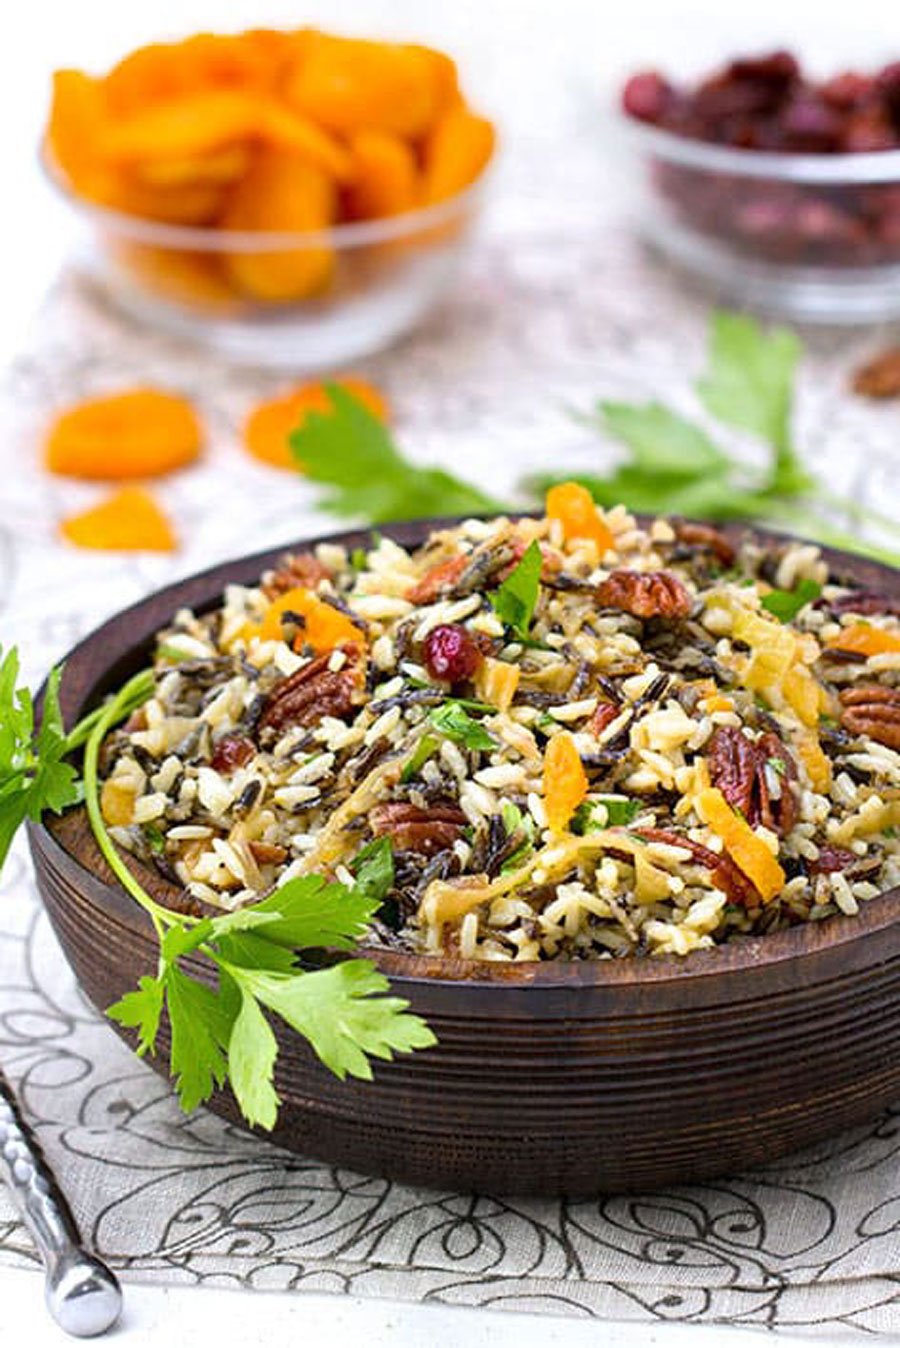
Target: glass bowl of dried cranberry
[(781, 191)]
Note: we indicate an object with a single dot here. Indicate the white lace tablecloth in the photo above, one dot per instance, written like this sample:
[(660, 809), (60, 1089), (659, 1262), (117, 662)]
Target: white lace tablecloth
[(543, 321)]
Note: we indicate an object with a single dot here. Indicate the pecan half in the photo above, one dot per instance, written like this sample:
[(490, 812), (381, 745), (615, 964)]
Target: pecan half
[(412, 829), (865, 602), (832, 859), (267, 854), (737, 766), (707, 539), (298, 570), (438, 581), (310, 693), (645, 594), (873, 711), (880, 376), (727, 876), (605, 714)]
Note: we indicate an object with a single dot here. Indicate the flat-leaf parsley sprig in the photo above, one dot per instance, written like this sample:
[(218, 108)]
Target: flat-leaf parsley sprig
[(675, 467), (220, 1024)]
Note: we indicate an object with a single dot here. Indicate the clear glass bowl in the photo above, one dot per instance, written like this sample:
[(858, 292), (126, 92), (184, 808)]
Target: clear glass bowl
[(812, 237), (304, 301)]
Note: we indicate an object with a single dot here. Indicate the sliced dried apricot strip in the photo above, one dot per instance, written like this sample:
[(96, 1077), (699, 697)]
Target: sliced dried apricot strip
[(269, 425), (865, 639), (456, 152), (127, 521), (324, 626), (140, 433), (577, 512), (565, 781), (386, 176), (748, 852)]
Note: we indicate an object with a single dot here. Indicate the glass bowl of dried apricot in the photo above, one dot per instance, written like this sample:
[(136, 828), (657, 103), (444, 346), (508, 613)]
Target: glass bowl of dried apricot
[(291, 198)]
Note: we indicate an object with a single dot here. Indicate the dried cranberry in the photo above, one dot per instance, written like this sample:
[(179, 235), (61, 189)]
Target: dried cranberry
[(847, 90), (809, 124), (451, 653), (647, 96), (232, 751), (777, 67)]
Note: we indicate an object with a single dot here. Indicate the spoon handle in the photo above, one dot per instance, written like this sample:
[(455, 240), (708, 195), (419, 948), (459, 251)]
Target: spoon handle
[(82, 1294)]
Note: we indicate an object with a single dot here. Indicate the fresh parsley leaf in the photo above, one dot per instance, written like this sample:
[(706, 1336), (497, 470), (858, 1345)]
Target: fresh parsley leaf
[(515, 822), (141, 1010), (313, 913), (750, 384), (351, 451), (605, 812), (425, 749), (514, 601), (252, 1050), (373, 870), (663, 443), (676, 468), (201, 1029), (454, 721), (342, 1013), (155, 839), (33, 774), (786, 604)]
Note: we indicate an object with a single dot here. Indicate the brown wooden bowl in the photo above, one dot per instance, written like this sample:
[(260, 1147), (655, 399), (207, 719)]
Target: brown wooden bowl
[(548, 1078)]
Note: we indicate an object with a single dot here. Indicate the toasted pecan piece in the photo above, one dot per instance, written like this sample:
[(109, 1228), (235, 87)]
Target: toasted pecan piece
[(737, 766), (873, 711), (645, 594), (706, 538), (298, 569), (727, 876), (310, 693), (412, 829), (880, 376)]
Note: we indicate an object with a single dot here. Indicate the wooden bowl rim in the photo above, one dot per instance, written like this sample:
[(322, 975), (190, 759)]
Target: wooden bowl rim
[(123, 636)]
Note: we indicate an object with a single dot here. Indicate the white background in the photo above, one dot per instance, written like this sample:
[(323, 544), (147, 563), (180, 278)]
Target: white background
[(581, 49)]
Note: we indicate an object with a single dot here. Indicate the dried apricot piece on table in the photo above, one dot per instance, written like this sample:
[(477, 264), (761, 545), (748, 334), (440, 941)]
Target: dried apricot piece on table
[(129, 521), (269, 425), (140, 433)]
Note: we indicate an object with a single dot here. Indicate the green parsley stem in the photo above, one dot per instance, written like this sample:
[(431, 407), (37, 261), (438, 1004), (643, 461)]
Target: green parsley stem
[(132, 695)]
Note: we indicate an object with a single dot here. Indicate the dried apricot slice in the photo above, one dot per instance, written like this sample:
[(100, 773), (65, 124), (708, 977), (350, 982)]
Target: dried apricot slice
[(456, 152), (324, 627), (282, 191), (269, 425), (565, 781), (139, 433), (386, 176), (77, 117), (350, 84), (128, 521), (576, 511)]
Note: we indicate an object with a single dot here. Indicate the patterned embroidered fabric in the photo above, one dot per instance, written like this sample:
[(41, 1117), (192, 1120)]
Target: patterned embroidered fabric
[(811, 1243)]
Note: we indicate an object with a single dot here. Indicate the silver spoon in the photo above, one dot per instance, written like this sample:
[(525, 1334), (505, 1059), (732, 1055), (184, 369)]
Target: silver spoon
[(82, 1295)]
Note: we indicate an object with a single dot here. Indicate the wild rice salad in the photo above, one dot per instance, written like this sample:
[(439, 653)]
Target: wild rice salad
[(580, 738)]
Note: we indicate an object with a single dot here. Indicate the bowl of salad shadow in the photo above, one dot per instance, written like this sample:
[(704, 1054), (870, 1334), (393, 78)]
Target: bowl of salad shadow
[(606, 1062)]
